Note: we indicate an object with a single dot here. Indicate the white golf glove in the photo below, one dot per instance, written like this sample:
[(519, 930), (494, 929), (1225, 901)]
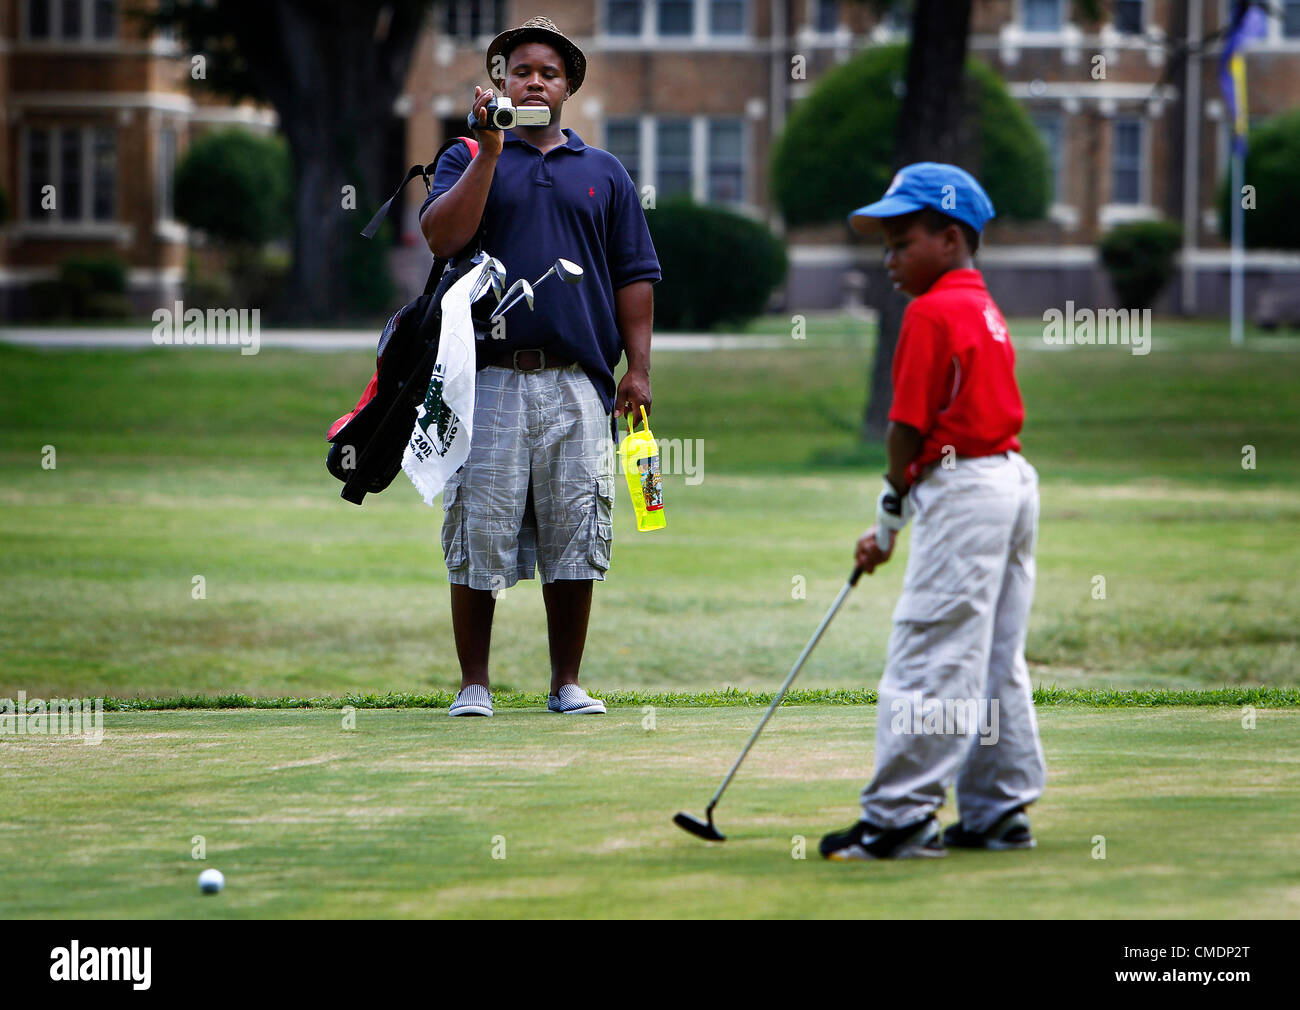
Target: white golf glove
[(893, 511)]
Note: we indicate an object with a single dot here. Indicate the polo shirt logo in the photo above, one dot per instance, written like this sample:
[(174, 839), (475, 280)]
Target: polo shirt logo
[(591, 190), (996, 328)]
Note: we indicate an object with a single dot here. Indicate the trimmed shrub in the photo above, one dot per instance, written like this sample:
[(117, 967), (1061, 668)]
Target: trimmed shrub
[(235, 185), (88, 287), (1140, 258), (719, 268), (1272, 166), (837, 151)]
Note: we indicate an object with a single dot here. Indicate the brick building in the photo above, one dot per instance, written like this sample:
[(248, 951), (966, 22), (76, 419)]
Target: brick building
[(98, 109), (690, 95)]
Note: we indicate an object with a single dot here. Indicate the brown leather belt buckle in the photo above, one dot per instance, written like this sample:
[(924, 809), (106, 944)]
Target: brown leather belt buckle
[(541, 359)]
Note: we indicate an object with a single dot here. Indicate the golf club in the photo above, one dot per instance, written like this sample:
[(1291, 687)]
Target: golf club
[(567, 270), (705, 828), (519, 289)]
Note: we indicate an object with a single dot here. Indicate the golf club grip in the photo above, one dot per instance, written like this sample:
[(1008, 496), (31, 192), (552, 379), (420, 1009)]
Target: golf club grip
[(856, 574), (780, 695)]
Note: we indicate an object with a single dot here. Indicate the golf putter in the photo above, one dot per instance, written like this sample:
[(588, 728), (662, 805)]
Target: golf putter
[(705, 828)]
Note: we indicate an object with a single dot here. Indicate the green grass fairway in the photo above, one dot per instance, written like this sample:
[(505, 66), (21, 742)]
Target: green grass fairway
[(179, 463), (400, 817)]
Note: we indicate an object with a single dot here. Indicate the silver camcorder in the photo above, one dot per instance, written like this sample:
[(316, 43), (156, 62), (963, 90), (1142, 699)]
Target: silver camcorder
[(503, 114)]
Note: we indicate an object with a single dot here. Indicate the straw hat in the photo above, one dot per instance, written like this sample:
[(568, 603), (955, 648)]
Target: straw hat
[(540, 30)]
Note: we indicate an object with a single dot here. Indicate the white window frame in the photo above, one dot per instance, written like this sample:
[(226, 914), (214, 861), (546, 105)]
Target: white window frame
[(1112, 212), (464, 6), (55, 223), (699, 155), (55, 40), (1144, 22), (745, 175), (1062, 20), (650, 38), (639, 123)]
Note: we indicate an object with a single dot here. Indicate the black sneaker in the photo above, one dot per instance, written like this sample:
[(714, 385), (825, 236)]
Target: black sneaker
[(1012, 832), (866, 841)]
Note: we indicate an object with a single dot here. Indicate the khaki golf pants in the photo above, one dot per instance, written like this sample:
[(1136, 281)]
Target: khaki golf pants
[(956, 704)]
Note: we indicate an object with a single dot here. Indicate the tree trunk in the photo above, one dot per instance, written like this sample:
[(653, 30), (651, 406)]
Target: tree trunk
[(333, 72), (930, 128)]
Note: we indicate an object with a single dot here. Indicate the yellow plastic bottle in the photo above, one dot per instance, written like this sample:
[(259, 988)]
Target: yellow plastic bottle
[(640, 454)]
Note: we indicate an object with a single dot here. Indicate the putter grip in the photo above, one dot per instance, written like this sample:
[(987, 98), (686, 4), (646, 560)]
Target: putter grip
[(853, 578)]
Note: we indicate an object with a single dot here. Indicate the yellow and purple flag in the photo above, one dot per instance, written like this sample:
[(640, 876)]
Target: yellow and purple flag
[(1249, 22)]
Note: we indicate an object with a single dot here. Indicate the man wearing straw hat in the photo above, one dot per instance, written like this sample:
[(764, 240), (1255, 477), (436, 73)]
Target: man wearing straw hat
[(537, 490)]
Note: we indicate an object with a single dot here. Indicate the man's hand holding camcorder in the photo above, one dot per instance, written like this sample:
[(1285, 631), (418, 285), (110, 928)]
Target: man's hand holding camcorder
[(489, 141)]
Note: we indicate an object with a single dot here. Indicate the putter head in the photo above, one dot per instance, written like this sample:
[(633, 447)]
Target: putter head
[(699, 828), (569, 271)]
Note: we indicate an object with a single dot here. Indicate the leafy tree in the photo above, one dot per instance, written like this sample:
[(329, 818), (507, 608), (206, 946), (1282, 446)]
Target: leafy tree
[(836, 155), (332, 71)]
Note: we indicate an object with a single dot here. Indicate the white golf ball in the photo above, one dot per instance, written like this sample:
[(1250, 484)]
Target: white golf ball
[(211, 881)]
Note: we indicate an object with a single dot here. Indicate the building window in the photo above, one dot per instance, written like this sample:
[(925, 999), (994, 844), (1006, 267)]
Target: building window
[(71, 20), (105, 19), (1048, 125), (624, 17), (1126, 161), (81, 165), (472, 18), (69, 189), (1128, 16), (726, 161), (39, 174), (826, 16), (623, 141), (1291, 19), (676, 17), (38, 19), (727, 17), (166, 171), (1041, 15), (71, 27), (673, 158), (104, 173)]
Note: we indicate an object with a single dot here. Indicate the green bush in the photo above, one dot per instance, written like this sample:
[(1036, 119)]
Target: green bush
[(719, 268), (87, 287), (236, 186), (837, 151), (1140, 258), (1272, 165)]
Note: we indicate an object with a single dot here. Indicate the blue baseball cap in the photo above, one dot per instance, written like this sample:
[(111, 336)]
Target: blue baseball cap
[(946, 188)]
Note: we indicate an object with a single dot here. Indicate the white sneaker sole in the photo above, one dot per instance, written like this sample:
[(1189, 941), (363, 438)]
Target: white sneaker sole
[(597, 709), (469, 710)]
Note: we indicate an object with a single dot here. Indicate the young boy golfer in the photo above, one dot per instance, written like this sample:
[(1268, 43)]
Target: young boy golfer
[(955, 699)]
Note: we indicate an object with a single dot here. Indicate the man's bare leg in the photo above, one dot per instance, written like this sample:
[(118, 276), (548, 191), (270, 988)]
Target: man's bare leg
[(568, 607), (471, 620)]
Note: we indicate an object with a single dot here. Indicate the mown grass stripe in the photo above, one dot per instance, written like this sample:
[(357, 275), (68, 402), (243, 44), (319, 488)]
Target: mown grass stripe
[(1262, 697)]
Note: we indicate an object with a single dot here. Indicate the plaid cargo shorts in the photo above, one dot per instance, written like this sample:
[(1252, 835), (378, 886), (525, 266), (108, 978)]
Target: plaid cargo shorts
[(537, 491)]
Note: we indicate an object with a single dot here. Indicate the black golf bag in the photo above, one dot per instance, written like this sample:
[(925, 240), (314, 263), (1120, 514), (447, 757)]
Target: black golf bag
[(367, 443)]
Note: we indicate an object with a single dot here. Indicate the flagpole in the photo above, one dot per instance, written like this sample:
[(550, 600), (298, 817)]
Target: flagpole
[(1238, 261)]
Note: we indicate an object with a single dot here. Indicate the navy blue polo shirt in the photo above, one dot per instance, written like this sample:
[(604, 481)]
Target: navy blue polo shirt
[(576, 202)]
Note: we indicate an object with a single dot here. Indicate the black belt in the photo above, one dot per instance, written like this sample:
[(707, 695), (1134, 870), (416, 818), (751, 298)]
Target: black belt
[(531, 359)]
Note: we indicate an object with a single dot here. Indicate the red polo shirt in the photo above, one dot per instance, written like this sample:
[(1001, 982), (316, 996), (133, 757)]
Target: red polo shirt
[(954, 372)]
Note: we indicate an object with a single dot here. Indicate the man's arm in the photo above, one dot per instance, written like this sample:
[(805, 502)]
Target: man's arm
[(634, 314), (451, 220)]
